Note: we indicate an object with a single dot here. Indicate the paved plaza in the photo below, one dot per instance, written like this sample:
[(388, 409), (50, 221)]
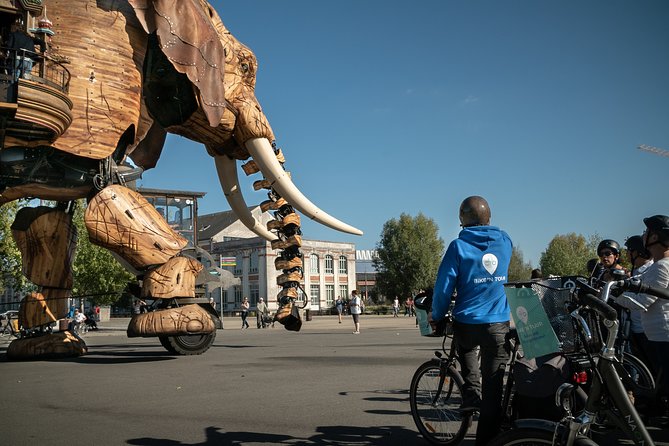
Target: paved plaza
[(321, 386)]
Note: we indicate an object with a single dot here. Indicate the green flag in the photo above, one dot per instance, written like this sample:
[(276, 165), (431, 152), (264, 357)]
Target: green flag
[(534, 329)]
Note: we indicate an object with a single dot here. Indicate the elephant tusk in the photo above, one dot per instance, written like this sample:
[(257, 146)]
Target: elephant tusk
[(227, 175), (263, 154)]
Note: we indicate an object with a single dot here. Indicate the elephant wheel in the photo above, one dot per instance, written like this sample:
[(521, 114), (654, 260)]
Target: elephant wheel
[(188, 344)]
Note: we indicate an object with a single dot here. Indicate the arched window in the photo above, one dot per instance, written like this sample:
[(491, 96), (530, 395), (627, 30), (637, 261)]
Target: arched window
[(313, 264), (329, 264), (343, 265)]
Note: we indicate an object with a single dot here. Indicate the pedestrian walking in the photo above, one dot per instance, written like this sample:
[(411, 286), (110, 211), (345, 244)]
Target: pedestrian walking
[(245, 312), (339, 305), (356, 309)]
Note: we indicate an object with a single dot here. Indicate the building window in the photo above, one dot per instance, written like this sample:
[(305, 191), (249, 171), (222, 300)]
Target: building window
[(329, 264), (343, 265), (300, 296), (315, 294), (238, 266), (313, 264), (343, 292), (254, 293), (329, 295), (253, 262), (238, 296)]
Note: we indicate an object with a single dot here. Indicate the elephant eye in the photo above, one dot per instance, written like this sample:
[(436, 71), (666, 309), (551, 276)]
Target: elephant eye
[(245, 67)]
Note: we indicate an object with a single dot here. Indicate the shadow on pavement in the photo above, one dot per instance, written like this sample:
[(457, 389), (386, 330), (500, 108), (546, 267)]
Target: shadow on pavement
[(326, 435)]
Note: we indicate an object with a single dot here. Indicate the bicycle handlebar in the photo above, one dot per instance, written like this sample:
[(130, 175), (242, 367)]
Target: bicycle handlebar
[(599, 305), (636, 286)]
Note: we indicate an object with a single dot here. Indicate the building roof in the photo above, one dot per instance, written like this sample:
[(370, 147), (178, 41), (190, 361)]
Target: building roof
[(219, 226), (212, 224)]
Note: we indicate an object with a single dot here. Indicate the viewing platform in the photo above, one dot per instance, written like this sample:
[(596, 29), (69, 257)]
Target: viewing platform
[(34, 102)]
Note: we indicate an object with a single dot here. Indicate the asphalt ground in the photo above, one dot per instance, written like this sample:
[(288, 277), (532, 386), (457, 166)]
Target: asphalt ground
[(320, 386)]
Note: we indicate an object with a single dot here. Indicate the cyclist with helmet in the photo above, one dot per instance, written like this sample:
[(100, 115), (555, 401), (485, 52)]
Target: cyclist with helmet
[(640, 260), (476, 265), (656, 319), (608, 252)]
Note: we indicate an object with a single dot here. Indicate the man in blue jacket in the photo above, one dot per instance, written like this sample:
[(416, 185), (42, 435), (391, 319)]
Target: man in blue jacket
[(476, 266)]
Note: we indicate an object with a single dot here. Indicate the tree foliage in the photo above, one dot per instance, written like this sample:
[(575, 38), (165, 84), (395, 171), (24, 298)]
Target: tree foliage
[(10, 257), (519, 269), (408, 255), (96, 271), (568, 255)]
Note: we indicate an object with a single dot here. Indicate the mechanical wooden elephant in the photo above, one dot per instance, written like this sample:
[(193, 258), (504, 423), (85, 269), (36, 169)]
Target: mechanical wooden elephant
[(127, 73)]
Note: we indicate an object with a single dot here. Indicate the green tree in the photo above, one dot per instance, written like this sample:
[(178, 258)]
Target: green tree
[(408, 255), (519, 269), (10, 257), (567, 255), (96, 271)]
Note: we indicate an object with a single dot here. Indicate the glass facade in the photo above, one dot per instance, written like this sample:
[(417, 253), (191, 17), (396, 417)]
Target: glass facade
[(177, 211)]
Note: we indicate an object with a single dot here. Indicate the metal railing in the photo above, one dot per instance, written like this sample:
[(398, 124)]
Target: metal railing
[(15, 64)]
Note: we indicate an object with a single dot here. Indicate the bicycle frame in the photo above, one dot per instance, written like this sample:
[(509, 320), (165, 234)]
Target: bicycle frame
[(607, 394), (444, 364)]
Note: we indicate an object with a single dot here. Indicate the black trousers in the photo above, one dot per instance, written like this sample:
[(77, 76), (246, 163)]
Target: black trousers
[(487, 379)]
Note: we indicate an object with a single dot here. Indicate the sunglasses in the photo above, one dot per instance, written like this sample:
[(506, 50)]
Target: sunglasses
[(606, 253)]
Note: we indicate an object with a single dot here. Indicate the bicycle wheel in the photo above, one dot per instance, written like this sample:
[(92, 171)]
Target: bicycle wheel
[(441, 422), (637, 376), (528, 436)]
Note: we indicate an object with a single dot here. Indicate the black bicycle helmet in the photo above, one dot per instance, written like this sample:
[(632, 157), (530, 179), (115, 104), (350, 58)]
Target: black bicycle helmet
[(474, 211), (635, 243), (608, 244), (658, 224)]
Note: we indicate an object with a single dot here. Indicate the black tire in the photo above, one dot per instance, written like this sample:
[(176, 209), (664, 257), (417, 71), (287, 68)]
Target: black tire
[(641, 380), (528, 436), (164, 341), (442, 423), (188, 344)]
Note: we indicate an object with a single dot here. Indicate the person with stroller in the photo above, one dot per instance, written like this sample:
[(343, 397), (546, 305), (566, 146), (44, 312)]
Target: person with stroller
[(262, 311), (91, 320)]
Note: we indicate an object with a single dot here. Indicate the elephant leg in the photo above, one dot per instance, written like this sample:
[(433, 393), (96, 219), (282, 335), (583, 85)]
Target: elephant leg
[(46, 238), (124, 222)]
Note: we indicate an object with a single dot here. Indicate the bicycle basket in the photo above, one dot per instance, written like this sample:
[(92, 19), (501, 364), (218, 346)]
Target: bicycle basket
[(554, 296)]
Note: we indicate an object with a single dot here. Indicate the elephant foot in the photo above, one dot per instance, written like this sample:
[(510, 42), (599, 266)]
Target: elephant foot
[(289, 316), (55, 345), (187, 320)]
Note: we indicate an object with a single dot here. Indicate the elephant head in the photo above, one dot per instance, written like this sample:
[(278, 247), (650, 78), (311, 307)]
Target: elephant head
[(189, 45)]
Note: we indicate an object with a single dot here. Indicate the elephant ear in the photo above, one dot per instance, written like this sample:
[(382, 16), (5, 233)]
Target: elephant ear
[(191, 43)]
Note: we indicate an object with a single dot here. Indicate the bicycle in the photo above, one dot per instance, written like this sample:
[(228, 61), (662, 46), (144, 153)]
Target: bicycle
[(435, 396), (607, 396), (11, 325), (529, 383), (80, 328)]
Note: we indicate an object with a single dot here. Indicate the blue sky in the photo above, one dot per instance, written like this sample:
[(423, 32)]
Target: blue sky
[(390, 107)]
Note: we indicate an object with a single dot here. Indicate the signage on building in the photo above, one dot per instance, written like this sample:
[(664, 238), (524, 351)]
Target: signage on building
[(365, 254), (228, 261)]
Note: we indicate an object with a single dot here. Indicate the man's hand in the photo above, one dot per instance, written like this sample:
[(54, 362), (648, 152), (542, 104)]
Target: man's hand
[(438, 327)]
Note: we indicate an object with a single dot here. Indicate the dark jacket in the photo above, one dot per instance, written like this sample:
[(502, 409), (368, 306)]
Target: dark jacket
[(19, 40)]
